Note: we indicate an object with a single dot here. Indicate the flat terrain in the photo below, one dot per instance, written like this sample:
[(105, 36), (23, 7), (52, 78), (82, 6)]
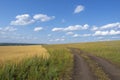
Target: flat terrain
[(110, 69), (81, 69), (35, 62), (83, 72), (20, 52), (81, 61)]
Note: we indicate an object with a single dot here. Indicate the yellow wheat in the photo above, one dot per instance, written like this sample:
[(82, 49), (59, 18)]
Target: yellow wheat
[(17, 53)]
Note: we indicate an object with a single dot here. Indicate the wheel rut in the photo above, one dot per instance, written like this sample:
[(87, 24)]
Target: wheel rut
[(81, 70), (110, 69)]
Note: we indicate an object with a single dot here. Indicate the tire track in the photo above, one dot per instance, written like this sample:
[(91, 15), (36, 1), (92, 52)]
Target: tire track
[(81, 70), (110, 69)]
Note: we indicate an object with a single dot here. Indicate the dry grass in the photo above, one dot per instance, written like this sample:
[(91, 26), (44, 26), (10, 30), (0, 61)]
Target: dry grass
[(17, 53)]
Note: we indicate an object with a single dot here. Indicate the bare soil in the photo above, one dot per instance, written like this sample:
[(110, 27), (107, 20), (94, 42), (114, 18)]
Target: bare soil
[(82, 71), (110, 69)]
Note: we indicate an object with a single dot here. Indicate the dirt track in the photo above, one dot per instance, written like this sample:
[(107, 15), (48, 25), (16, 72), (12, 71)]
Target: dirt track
[(82, 71), (110, 69)]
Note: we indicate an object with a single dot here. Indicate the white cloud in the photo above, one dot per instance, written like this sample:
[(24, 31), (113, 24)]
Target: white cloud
[(78, 9), (104, 33), (94, 28), (7, 29), (107, 26), (69, 33), (97, 33), (37, 29), (23, 19), (56, 40), (43, 17), (76, 35), (82, 35), (72, 28), (57, 29), (76, 27), (113, 32), (86, 35), (112, 25)]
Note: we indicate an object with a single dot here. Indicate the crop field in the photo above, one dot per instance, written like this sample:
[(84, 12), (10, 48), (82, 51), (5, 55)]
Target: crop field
[(16, 53), (34, 63), (102, 58), (85, 61)]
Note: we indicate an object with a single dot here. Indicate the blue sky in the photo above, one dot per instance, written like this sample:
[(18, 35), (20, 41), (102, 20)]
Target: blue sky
[(59, 21)]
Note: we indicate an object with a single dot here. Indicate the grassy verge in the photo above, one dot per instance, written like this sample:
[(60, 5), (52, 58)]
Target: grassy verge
[(62, 61)]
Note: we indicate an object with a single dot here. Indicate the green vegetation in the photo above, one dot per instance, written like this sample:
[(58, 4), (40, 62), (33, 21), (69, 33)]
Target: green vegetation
[(55, 63), (57, 67), (62, 61), (109, 50)]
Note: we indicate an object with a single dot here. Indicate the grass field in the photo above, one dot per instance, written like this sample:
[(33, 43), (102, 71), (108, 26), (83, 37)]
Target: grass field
[(34, 63), (109, 50), (52, 62)]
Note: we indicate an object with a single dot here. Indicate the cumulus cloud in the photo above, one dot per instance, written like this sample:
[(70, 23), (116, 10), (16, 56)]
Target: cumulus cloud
[(69, 33), (81, 35), (107, 26), (72, 28), (112, 25), (23, 19), (94, 28), (76, 35), (104, 33), (7, 29), (78, 9), (86, 35), (57, 29), (26, 19), (37, 29), (58, 39), (43, 17)]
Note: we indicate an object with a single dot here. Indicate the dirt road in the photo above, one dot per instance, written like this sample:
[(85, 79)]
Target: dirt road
[(82, 71), (110, 69)]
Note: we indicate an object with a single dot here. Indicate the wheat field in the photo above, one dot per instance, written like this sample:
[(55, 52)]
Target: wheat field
[(17, 53), (35, 63)]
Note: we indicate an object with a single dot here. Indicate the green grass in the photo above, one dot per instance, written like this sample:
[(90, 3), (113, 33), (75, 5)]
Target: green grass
[(110, 50), (57, 67), (62, 60)]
